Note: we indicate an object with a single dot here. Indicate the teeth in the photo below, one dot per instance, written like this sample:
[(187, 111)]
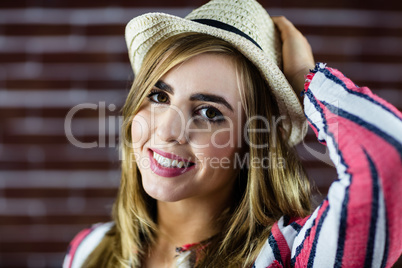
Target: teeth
[(167, 162)]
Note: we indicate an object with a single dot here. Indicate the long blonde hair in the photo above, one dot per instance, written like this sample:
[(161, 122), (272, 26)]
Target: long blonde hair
[(262, 195)]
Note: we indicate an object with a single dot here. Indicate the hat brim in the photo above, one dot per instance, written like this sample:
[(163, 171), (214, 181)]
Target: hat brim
[(144, 31)]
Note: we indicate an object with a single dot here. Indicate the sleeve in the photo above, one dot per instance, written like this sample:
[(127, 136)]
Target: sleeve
[(84, 243), (359, 222)]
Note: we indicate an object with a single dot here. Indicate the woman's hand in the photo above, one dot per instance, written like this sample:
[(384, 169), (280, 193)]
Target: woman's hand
[(296, 52)]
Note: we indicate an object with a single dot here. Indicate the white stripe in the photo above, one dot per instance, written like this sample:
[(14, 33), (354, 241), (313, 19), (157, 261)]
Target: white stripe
[(90, 243), (67, 261), (288, 232), (183, 260), (331, 143), (369, 112), (328, 240), (315, 117), (380, 235), (265, 257)]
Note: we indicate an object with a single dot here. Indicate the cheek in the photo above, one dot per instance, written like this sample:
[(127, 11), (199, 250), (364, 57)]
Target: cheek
[(140, 129), (226, 140), (225, 145), (221, 150)]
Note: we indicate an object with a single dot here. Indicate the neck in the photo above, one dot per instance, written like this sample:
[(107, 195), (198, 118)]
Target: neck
[(185, 222), (189, 221)]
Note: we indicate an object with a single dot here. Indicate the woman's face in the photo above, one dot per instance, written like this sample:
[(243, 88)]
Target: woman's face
[(187, 133)]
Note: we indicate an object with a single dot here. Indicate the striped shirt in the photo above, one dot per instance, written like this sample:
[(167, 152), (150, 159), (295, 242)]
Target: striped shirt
[(359, 223)]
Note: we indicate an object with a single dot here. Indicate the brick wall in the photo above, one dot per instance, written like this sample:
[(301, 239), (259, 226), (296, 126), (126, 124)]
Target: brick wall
[(55, 55)]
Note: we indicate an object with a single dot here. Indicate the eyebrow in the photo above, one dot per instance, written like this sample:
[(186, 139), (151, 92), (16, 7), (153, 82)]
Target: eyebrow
[(165, 87), (196, 97), (211, 98)]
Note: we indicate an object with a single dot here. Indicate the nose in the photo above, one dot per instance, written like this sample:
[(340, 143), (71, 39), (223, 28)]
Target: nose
[(171, 125)]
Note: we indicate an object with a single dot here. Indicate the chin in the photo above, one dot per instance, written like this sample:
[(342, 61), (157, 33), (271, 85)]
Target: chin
[(162, 193), (165, 197)]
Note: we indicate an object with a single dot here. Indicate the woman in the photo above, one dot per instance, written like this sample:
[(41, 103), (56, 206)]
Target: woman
[(209, 176)]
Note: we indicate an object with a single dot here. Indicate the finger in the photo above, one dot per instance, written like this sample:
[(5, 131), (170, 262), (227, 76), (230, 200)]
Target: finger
[(284, 25)]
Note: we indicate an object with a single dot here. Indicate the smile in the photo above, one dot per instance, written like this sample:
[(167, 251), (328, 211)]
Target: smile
[(170, 163)]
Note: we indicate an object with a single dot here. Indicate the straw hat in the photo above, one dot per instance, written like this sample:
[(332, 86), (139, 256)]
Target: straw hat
[(243, 23)]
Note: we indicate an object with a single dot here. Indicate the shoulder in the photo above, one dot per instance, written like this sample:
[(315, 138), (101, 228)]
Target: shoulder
[(84, 243)]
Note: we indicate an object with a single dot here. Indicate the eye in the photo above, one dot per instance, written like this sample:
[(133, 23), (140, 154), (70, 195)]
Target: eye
[(158, 97), (210, 113)]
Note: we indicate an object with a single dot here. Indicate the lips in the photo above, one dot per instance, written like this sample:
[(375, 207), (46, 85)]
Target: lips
[(168, 165)]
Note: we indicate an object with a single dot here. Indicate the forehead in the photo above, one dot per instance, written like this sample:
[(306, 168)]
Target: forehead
[(205, 73)]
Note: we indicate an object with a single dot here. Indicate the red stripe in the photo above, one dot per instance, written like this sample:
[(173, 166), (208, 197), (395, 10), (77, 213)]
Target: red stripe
[(76, 242), (275, 264), (282, 245), (299, 221)]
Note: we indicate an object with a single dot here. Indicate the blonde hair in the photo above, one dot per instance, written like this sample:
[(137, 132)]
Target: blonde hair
[(262, 195)]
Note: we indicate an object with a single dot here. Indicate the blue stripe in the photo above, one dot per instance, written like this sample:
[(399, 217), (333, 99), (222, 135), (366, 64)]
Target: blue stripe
[(310, 262), (338, 81), (386, 246), (311, 122), (374, 212), (275, 249), (297, 227), (366, 125), (315, 127), (286, 222)]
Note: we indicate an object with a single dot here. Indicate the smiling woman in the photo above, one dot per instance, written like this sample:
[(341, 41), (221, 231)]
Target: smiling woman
[(190, 108), (208, 109)]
